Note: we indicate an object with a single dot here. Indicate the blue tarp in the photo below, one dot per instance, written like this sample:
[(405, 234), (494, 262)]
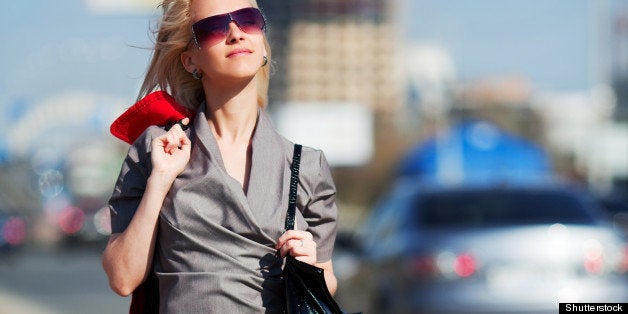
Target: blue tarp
[(476, 151)]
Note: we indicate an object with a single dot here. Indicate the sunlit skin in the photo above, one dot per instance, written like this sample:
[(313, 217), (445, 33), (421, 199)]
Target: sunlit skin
[(231, 64), (228, 71)]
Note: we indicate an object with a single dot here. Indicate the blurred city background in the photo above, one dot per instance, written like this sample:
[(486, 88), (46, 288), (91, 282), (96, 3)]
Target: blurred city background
[(458, 93)]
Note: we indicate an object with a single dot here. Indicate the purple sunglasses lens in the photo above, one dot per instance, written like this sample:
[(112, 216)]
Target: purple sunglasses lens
[(250, 20), (216, 28)]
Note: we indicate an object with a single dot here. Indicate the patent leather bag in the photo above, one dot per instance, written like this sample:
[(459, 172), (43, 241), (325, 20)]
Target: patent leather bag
[(306, 290), (145, 298)]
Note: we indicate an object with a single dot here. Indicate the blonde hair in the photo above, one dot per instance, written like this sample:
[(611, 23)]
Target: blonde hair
[(166, 72)]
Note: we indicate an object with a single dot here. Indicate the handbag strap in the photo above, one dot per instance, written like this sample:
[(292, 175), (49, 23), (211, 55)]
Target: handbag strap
[(294, 184)]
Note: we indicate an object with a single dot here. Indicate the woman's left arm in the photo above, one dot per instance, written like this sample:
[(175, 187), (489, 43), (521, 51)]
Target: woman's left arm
[(330, 278)]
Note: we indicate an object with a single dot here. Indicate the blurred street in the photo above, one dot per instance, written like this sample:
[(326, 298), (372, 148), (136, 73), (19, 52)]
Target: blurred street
[(56, 281)]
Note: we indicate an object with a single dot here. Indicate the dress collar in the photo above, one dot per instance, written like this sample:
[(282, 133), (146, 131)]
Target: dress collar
[(268, 159)]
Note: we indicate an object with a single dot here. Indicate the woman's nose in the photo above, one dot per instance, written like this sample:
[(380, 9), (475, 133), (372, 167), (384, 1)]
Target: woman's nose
[(235, 33)]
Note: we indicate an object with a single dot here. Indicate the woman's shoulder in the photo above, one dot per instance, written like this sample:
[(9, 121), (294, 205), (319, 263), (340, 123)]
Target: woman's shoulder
[(154, 131), (307, 152), (139, 150), (312, 155), (145, 139), (313, 162)]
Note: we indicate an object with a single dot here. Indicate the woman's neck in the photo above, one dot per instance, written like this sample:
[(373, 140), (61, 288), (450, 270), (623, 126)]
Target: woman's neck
[(232, 113)]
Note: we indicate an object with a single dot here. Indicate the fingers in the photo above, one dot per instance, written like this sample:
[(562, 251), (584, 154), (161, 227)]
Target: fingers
[(170, 153), (299, 244), (299, 248), (176, 139), (183, 123), (293, 234)]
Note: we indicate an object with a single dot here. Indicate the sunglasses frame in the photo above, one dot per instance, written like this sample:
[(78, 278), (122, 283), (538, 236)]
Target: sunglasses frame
[(229, 15)]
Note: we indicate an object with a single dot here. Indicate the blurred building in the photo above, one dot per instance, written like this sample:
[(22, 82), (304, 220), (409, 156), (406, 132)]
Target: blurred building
[(337, 54), (620, 64), (122, 6), (334, 50), (503, 100)]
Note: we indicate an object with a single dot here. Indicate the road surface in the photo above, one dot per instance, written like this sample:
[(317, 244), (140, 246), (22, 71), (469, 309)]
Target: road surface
[(70, 280)]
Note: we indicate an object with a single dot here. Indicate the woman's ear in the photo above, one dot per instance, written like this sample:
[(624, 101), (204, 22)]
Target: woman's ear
[(188, 63)]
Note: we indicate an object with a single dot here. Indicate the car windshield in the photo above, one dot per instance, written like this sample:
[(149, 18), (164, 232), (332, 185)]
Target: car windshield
[(499, 208)]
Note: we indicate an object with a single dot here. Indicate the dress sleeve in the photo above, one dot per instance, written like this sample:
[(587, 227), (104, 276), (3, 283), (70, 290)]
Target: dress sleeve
[(320, 211), (131, 184)]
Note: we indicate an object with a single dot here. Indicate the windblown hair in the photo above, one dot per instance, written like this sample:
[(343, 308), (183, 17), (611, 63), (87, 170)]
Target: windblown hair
[(166, 72)]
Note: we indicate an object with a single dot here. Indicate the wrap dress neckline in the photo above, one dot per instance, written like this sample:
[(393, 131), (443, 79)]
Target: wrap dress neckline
[(263, 178)]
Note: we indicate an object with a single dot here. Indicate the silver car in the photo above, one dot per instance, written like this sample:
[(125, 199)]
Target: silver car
[(490, 249)]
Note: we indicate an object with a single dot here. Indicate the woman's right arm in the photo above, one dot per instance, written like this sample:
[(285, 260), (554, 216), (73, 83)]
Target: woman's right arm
[(128, 255)]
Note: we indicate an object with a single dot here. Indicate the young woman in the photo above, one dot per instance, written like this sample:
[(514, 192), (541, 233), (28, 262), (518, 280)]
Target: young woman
[(208, 205)]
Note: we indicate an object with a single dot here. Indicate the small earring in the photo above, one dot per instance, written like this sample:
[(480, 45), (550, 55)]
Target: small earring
[(196, 75), (265, 61)]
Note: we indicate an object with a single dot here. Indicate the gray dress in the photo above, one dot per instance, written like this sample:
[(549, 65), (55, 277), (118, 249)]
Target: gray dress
[(215, 251)]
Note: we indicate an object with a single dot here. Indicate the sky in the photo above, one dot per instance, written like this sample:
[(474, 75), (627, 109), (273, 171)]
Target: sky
[(56, 55), (52, 48), (556, 44)]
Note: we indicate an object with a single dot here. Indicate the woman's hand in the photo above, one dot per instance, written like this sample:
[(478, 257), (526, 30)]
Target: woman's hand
[(299, 244), (170, 153)]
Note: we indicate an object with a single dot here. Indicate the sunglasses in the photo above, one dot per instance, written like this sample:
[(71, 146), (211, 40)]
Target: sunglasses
[(214, 29)]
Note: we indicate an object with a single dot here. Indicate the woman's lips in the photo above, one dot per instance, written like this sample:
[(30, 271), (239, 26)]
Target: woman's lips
[(239, 52)]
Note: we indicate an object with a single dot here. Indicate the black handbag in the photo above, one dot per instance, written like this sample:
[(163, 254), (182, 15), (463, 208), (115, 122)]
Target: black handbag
[(306, 290), (145, 298)]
